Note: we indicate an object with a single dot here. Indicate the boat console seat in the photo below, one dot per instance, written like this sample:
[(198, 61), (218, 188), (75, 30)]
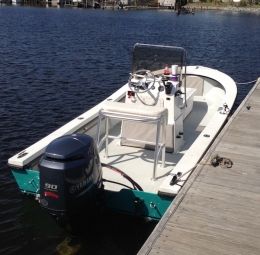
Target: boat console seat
[(135, 113)]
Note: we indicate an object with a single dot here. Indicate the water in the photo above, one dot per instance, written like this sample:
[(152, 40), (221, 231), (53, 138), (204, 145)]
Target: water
[(57, 63)]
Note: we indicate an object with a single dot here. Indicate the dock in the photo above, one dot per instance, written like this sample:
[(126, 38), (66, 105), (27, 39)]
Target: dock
[(217, 210)]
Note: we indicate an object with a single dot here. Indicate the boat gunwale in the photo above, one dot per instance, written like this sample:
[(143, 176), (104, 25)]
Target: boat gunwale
[(38, 148), (200, 146)]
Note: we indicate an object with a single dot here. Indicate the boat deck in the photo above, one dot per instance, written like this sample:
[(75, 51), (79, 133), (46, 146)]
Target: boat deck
[(138, 162), (217, 210)]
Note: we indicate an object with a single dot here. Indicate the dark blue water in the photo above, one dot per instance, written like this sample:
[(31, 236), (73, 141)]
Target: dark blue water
[(56, 63)]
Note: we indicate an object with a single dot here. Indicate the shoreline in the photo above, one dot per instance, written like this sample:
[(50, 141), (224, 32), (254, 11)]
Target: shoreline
[(195, 7), (224, 8), (191, 6)]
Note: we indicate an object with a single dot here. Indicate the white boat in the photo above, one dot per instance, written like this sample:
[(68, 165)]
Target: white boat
[(149, 135)]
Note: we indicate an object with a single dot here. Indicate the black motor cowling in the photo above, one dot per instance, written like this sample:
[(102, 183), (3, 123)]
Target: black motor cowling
[(70, 176)]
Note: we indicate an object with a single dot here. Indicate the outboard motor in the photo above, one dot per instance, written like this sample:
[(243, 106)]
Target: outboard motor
[(70, 178)]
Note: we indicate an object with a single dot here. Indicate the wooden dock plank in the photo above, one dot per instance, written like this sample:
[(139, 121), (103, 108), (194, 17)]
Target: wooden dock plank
[(229, 184), (217, 210), (207, 243), (230, 226), (223, 213), (204, 242), (237, 176), (245, 151), (209, 203), (200, 197), (237, 171), (246, 195)]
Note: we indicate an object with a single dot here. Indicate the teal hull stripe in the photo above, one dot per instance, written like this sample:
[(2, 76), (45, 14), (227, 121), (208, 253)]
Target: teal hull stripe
[(126, 201), (138, 203), (27, 180)]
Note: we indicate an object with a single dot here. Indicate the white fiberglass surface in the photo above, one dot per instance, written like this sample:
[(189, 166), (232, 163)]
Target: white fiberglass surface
[(138, 163)]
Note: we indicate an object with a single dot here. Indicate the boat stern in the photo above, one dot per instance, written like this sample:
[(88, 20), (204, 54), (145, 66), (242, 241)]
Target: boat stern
[(27, 180)]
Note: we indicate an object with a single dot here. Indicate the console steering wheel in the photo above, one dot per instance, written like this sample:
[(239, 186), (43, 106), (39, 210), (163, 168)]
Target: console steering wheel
[(144, 79)]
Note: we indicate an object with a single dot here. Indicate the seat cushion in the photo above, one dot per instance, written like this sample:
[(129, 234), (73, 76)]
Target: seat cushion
[(135, 109)]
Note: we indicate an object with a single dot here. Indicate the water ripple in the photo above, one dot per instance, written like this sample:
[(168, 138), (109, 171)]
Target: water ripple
[(57, 63)]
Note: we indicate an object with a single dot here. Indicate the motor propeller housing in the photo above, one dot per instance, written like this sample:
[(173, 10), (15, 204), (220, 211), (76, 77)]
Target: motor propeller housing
[(70, 176)]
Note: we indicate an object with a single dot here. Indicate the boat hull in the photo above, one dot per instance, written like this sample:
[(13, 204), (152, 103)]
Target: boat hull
[(196, 112), (132, 202)]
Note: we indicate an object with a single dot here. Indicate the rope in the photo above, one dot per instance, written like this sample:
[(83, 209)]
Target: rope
[(221, 161), (224, 163), (215, 161), (246, 82)]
